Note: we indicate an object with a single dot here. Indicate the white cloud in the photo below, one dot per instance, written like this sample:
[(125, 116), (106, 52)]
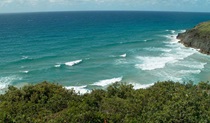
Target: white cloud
[(57, 1), (3, 2), (130, 4), (102, 1)]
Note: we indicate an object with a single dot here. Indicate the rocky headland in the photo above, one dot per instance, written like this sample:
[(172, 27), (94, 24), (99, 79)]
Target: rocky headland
[(197, 37)]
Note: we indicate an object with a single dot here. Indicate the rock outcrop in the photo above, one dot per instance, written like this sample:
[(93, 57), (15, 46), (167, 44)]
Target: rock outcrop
[(197, 37)]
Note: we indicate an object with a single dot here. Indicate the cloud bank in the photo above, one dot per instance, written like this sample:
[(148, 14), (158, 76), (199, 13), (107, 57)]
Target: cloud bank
[(36, 2), (168, 5)]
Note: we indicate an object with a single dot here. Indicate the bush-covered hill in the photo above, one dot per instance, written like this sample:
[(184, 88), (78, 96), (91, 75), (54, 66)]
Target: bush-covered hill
[(197, 37), (163, 102)]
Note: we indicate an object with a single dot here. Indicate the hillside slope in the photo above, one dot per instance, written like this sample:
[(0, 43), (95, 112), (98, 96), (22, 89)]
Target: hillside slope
[(197, 37)]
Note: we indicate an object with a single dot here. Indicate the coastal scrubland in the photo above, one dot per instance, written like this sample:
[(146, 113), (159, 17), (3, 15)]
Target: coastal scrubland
[(203, 28), (52, 103)]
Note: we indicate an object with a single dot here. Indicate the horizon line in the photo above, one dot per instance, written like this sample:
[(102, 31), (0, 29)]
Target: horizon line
[(104, 11)]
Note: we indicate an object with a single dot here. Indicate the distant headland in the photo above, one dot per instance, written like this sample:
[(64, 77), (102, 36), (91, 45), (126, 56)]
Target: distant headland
[(197, 37)]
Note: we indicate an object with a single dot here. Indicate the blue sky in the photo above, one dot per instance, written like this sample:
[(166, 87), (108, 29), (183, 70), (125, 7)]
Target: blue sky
[(10, 6)]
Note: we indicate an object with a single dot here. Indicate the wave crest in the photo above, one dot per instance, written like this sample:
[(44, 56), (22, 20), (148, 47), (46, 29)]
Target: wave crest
[(151, 63), (72, 63), (107, 81), (26, 71), (123, 55), (58, 65), (141, 86), (79, 89)]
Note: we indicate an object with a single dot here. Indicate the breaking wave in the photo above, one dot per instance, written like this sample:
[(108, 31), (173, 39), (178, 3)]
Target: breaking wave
[(72, 63), (58, 65), (6, 81), (26, 71), (123, 55), (174, 53), (79, 89), (151, 63), (107, 81), (141, 86)]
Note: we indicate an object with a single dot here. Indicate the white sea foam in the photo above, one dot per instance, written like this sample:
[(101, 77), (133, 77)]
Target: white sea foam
[(79, 89), (26, 71), (6, 81), (58, 65), (149, 39), (173, 54), (166, 74), (175, 63), (123, 55), (190, 71), (24, 57), (157, 49), (107, 81), (173, 31), (193, 65), (121, 61), (180, 53), (151, 63), (172, 38), (141, 86), (72, 63)]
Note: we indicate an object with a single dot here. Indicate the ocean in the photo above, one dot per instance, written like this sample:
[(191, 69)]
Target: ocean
[(93, 49)]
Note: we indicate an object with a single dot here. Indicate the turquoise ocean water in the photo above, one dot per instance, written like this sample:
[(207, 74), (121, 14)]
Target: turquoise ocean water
[(86, 50)]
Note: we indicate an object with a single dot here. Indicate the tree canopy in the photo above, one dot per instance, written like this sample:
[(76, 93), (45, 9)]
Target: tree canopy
[(119, 103)]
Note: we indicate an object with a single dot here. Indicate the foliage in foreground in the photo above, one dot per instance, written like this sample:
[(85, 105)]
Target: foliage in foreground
[(120, 103)]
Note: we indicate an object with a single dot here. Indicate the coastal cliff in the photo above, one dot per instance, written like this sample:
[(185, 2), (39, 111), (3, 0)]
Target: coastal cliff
[(197, 37)]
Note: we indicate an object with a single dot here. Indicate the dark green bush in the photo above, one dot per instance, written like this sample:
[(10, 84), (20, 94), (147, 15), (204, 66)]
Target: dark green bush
[(119, 103)]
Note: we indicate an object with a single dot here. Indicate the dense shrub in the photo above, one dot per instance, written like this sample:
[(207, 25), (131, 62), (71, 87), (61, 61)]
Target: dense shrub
[(119, 103)]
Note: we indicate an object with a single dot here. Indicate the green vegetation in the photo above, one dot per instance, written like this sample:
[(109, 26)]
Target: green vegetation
[(120, 103), (203, 29)]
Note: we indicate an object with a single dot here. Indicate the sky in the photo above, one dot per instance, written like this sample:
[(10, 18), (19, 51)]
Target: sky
[(13, 6)]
